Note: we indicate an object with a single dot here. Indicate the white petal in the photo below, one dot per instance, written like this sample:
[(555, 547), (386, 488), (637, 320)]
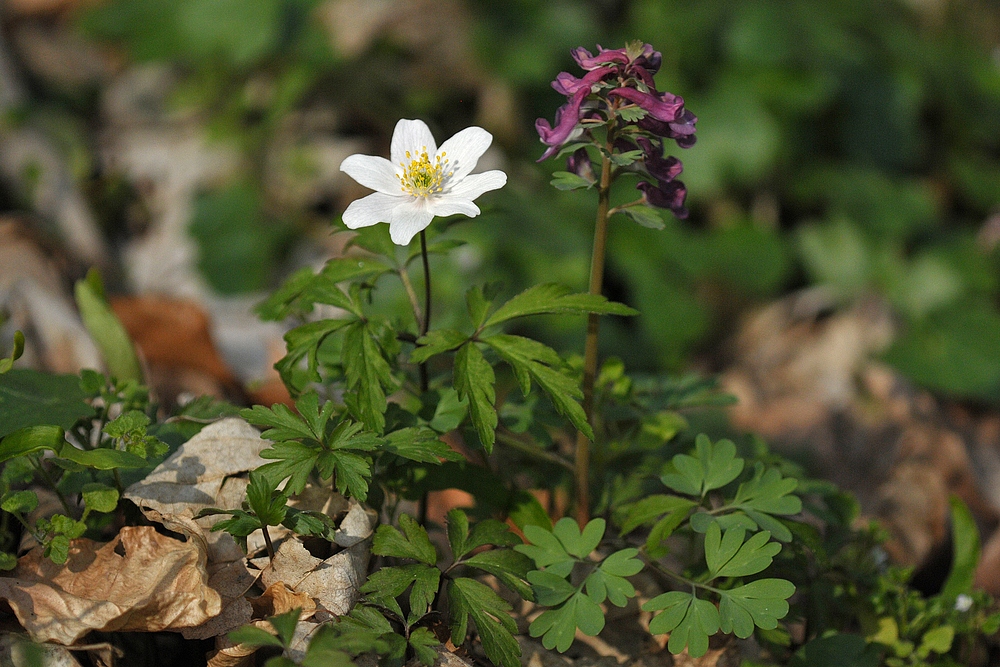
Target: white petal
[(413, 136), (367, 211), (372, 172), (408, 219), (448, 205), (476, 184), (464, 150)]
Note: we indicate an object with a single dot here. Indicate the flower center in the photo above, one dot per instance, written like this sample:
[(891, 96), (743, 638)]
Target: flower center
[(421, 177)]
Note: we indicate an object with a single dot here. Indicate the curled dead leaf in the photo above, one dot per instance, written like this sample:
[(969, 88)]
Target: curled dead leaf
[(141, 580)]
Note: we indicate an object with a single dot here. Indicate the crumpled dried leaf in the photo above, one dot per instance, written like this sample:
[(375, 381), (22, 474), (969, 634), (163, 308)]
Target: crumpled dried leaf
[(334, 583), (200, 474), (141, 580), (279, 598)]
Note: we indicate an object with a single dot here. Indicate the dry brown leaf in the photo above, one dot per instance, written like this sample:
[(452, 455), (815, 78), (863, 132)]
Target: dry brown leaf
[(278, 599), (141, 580), (334, 583)]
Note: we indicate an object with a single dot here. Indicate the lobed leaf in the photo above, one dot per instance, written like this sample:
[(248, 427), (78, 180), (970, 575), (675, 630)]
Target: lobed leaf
[(497, 630), (474, 380), (728, 555), (435, 342), (412, 542), (557, 627), (761, 603), (565, 180), (689, 621), (418, 443), (368, 374), (555, 298)]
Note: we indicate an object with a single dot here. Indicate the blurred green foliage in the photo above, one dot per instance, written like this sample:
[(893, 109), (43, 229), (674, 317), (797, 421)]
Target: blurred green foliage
[(846, 143)]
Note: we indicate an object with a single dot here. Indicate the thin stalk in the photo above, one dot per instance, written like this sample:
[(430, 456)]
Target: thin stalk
[(531, 450), (267, 541), (411, 294), (425, 323), (52, 485), (582, 463)]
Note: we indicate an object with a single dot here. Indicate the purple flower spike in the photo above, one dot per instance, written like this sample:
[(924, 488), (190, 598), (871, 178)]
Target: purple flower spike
[(662, 169), (604, 56), (568, 85), (567, 117), (664, 107), (668, 195)]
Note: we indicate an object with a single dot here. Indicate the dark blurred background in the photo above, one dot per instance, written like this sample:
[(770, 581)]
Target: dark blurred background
[(191, 148)]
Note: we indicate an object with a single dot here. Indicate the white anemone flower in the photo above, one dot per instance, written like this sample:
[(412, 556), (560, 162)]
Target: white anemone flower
[(421, 181)]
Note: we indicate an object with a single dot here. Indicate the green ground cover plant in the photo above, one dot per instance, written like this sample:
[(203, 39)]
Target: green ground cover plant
[(743, 542)]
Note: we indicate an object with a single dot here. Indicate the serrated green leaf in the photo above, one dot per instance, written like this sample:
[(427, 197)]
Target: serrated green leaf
[(631, 114), (368, 374), (762, 603), (510, 567), (565, 180), (728, 555), (31, 439), (474, 380), (284, 624), (307, 522), (303, 342), (555, 298), (127, 422), (254, 636), (646, 216), (19, 502), (295, 461), (421, 444), (412, 542), (286, 300), (491, 614), (99, 497), (478, 301), (240, 523), (531, 360), (57, 549), (557, 627), (435, 342), (282, 422), (653, 507), (264, 499), (388, 583), (689, 621), (106, 329), (424, 645)]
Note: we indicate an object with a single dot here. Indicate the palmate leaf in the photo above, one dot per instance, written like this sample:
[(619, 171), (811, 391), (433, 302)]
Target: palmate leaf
[(423, 643), (491, 615), (412, 542), (728, 555), (761, 603), (352, 472), (765, 494), (303, 342), (547, 551), (309, 423), (417, 443), (368, 374), (558, 626), (651, 508), (474, 380), (532, 360), (689, 620), (295, 461), (489, 531), (510, 567), (265, 501), (712, 467), (388, 583), (435, 342), (565, 180), (555, 298)]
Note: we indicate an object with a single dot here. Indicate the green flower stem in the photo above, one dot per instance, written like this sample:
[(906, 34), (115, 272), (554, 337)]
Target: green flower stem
[(425, 322), (267, 541), (582, 464), (411, 294), (531, 450)]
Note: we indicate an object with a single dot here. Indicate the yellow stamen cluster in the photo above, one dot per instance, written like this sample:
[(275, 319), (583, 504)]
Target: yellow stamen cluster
[(421, 177)]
